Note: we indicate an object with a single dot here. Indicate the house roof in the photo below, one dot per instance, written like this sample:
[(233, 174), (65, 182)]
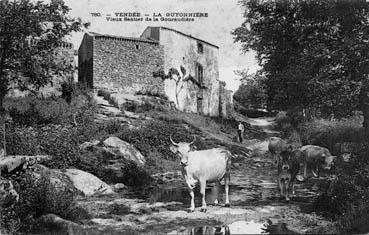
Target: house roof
[(188, 35), (106, 36)]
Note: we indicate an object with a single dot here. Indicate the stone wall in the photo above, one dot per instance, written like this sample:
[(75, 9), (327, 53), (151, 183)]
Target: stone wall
[(127, 65), (226, 108), (180, 50), (85, 61)]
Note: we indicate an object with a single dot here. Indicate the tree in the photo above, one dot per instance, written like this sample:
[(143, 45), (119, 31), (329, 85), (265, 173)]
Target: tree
[(252, 92), (314, 53), (29, 34), (173, 74)]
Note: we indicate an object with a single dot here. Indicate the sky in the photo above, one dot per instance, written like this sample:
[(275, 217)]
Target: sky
[(223, 17)]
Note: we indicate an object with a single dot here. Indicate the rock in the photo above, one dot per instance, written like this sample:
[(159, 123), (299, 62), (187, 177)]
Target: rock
[(8, 195), (88, 145), (120, 147), (349, 147), (346, 157), (10, 163), (61, 225), (119, 186), (87, 183), (57, 180), (71, 180)]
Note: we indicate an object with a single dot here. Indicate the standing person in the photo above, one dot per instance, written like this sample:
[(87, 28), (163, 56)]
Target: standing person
[(241, 129)]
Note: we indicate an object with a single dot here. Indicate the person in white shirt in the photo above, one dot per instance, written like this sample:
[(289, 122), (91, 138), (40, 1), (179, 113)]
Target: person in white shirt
[(241, 129)]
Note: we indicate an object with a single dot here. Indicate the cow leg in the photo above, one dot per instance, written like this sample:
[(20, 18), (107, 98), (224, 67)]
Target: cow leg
[(305, 170), (292, 185), (192, 194), (279, 186), (216, 191), (227, 179), (287, 190), (202, 192), (315, 173)]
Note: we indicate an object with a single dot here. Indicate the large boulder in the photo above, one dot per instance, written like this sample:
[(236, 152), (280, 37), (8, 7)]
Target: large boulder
[(72, 180), (87, 183), (124, 149)]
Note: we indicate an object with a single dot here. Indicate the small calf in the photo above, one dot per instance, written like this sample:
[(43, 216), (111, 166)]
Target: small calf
[(288, 168)]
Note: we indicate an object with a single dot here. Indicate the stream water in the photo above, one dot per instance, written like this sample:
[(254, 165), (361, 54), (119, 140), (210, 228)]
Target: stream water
[(253, 185)]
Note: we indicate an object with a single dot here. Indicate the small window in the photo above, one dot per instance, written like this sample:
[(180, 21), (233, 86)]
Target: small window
[(137, 46), (199, 73), (200, 48)]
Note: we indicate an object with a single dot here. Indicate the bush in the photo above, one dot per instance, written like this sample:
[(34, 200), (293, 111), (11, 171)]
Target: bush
[(112, 126), (155, 136), (37, 196), (251, 112), (32, 110), (327, 133), (108, 96), (134, 175), (346, 198), (146, 104), (153, 94)]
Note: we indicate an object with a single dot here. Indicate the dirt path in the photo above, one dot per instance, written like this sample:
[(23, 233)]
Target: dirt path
[(162, 208), (255, 205)]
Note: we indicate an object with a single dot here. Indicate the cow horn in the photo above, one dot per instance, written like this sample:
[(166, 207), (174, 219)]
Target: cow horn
[(194, 138), (174, 143)]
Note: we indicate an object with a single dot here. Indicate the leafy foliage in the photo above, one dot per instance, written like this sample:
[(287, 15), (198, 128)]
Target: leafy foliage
[(314, 53), (327, 133), (30, 32), (39, 196), (252, 92), (33, 110), (179, 78)]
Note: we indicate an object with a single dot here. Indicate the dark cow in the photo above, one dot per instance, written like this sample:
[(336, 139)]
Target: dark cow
[(276, 146), (288, 168)]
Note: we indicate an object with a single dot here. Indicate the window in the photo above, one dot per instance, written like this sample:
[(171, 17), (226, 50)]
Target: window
[(199, 73), (137, 46), (200, 48)]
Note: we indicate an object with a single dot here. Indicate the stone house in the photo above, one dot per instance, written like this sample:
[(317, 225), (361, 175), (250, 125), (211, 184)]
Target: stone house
[(126, 64)]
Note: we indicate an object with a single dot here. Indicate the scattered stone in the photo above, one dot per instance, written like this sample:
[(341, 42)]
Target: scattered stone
[(10, 163), (88, 145), (122, 148), (119, 186), (87, 183)]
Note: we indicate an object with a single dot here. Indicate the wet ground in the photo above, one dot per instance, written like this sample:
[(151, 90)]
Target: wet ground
[(255, 204)]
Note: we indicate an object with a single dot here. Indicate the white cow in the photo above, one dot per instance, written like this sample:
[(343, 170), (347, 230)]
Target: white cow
[(203, 166)]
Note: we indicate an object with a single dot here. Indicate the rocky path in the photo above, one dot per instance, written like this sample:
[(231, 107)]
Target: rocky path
[(255, 205), (162, 208)]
